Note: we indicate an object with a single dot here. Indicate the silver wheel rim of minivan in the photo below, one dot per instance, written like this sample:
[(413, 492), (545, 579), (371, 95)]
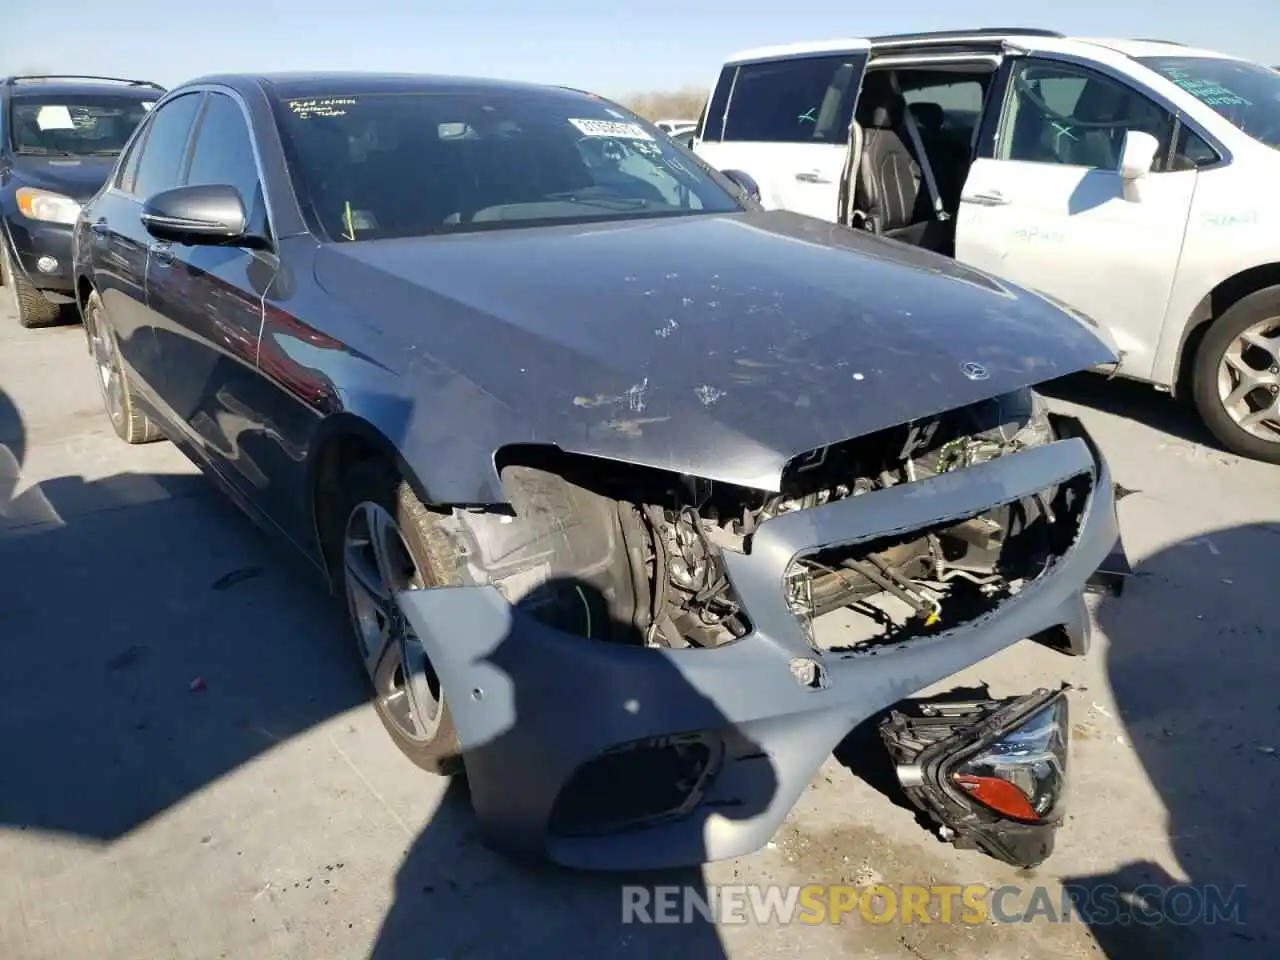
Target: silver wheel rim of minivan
[(1249, 380), (110, 379), (377, 565)]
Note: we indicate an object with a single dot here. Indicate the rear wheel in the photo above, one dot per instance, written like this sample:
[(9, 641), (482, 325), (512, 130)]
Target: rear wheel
[(30, 306), (118, 395), (1237, 377), (389, 543)]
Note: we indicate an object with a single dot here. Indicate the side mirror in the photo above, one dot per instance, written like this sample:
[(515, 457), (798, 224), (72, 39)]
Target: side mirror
[(1137, 154), (204, 214), (745, 183)]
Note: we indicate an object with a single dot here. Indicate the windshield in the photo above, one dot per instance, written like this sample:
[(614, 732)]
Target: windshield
[(373, 166), (1247, 94), (74, 125)]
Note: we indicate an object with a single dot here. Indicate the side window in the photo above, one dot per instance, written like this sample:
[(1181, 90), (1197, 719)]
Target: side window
[(713, 114), (1192, 151), (223, 153), (1062, 114), (801, 100), (165, 147), (129, 166), (951, 105)]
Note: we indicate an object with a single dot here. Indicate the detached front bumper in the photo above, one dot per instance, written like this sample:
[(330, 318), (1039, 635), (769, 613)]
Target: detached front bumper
[(536, 708)]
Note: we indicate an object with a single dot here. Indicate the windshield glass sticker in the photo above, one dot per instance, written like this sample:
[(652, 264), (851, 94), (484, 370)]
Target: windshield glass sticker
[(55, 117), (321, 107), (1206, 91), (611, 128)]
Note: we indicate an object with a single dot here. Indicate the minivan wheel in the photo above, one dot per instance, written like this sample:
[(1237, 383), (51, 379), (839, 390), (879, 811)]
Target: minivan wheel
[(1237, 377), (118, 396), (388, 544), (32, 308)]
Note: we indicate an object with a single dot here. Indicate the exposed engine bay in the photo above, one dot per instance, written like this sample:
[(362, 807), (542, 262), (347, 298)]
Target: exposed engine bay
[(650, 542)]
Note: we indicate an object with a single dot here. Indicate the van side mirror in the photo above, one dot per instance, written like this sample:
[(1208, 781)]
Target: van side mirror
[(745, 182), (1137, 154)]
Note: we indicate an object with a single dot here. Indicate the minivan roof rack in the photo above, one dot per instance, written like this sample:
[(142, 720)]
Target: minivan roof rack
[(957, 34), (1172, 43), (37, 77)]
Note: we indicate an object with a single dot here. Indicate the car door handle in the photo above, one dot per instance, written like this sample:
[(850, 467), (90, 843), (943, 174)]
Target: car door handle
[(993, 198), (162, 252), (811, 176), (100, 227)]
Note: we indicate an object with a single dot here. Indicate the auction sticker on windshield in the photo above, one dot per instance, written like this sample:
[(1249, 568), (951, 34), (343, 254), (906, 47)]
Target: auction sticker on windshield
[(611, 128)]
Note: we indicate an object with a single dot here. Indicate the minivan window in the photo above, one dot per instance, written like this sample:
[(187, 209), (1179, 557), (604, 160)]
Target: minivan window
[(1246, 94), (79, 126), (372, 166), (797, 100)]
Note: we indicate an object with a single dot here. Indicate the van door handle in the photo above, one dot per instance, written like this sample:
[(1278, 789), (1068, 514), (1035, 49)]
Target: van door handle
[(163, 252), (811, 176), (993, 198), (100, 228)]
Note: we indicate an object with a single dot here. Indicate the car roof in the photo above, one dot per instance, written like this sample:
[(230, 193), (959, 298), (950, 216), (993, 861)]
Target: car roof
[(21, 86), (1029, 38), (343, 83)]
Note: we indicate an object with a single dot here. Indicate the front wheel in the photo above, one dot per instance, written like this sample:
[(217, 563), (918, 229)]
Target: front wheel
[(32, 308), (388, 544), (1237, 377)]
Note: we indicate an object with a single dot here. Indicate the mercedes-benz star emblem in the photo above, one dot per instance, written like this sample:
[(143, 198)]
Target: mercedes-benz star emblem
[(974, 371)]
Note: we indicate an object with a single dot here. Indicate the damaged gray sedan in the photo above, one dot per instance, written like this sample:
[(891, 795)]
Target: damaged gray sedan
[(638, 498)]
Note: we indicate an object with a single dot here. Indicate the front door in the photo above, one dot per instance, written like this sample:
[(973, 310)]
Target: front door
[(120, 243), (1047, 209), (207, 306), (785, 121)]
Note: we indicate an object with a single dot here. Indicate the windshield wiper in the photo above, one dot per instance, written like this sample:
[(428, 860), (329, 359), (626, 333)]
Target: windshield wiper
[(612, 203), (45, 152)]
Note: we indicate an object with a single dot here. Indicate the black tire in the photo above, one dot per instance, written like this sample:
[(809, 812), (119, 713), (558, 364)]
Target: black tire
[(374, 481), (33, 309), (1257, 307), (127, 418)]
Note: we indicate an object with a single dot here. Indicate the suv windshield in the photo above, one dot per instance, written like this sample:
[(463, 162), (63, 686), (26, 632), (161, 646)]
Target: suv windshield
[(74, 125), (1247, 94), (373, 166)]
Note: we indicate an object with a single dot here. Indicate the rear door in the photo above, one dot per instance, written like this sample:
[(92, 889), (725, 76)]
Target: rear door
[(206, 302), (784, 120), (1044, 205)]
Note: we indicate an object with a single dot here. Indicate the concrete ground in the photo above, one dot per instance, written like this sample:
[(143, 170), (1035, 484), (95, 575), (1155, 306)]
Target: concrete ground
[(188, 767)]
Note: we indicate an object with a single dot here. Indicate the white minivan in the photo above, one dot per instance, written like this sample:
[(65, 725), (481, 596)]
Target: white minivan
[(1133, 181)]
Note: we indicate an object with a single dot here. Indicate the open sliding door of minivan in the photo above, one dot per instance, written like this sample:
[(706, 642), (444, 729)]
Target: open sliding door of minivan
[(782, 115)]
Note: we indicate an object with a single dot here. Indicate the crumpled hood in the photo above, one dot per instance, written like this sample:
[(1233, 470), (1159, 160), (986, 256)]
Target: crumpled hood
[(76, 177), (717, 345)]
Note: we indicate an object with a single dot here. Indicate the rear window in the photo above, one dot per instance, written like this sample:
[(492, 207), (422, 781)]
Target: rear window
[(372, 166), (73, 125)]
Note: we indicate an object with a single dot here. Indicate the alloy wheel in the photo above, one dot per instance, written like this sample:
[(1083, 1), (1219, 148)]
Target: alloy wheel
[(110, 376), (376, 566), (1249, 380)]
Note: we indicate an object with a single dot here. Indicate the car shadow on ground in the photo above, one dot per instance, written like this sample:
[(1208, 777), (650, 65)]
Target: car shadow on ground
[(1135, 401), (155, 642), (1198, 699)]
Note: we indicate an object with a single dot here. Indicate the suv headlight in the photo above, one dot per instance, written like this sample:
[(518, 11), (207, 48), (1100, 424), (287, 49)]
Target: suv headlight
[(47, 206)]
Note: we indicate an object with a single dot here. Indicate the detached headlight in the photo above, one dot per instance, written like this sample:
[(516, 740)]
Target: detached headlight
[(47, 206)]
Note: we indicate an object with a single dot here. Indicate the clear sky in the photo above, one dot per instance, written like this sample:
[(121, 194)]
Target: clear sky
[(612, 49)]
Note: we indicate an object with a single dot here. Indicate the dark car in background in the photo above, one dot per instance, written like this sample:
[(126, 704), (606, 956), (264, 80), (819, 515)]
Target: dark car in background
[(592, 450), (59, 138)]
